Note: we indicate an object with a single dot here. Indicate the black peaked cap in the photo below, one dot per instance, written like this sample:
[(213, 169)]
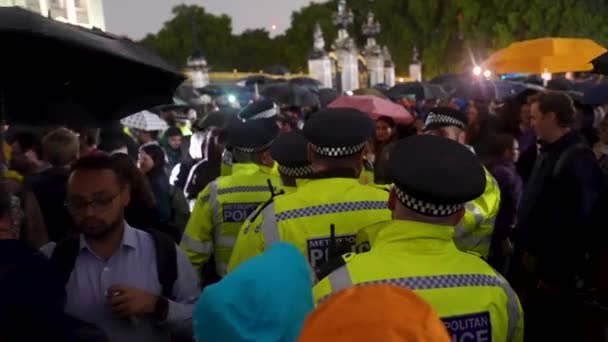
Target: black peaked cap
[(289, 150), (444, 116), (263, 109), (435, 176), (338, 132), (251, 136)]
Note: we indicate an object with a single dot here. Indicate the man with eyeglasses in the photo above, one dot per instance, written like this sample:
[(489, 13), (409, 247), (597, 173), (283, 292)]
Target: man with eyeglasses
[(113, 278)]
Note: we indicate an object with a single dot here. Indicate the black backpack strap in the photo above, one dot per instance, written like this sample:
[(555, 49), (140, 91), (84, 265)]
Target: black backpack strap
[(166, 261), (64, 258)]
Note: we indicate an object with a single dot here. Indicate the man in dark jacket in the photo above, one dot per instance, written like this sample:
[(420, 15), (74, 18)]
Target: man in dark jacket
[(554, 220)]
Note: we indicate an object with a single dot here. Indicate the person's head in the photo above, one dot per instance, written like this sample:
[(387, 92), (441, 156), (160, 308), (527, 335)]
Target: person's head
[(251, 140), (26, 152), (504, 146), (434, 177), (88, 139), (552, 115), (97, 194), (174, 137), (145, 137), (137, 181), (525, 115), (152, 159), (338, 139), (447, 123), (60, 147), (385, 129), (290, 152)]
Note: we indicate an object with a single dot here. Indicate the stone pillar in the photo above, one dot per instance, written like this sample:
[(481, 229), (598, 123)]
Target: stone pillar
[(319, 64), (389, 67), (345, 49), (373, 52), (197, 68)]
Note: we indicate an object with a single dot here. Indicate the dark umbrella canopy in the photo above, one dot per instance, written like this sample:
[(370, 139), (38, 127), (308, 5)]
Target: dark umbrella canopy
[(291, 95), (276, 70), (600, 64), (87, 76), (421, 91), (307, 82), (489, 90), (598, 95), (327, 96)]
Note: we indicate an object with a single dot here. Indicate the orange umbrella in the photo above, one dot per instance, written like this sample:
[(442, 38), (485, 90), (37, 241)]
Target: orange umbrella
[(552, 55), (373, 313)]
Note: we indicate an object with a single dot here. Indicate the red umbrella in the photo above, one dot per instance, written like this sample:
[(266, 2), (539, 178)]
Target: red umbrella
[(375, 107)]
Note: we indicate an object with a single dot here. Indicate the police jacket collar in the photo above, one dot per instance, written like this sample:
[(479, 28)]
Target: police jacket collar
[(342, 172), (420, 237), (249, 167)]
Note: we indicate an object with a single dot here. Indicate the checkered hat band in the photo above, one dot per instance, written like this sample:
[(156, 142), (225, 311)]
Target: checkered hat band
[(339, 151), (426, 208), (444, 120), (299, 171), (267, 114), (253, 149)]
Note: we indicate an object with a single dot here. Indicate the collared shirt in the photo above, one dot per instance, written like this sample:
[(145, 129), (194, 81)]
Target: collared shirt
[(133, 265)]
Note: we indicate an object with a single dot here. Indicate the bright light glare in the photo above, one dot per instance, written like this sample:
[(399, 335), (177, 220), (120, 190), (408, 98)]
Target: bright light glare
[(477, 71), (231, 98), (401, 79), (273, 27), (487, 74)]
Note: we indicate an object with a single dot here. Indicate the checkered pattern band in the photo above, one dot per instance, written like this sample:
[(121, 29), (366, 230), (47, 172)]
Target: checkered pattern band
[(253, 149), (236, 189), (440, 281), (299, 171), (331, 209), (267, 114), (426, 208), (443, 120), (339, 151)]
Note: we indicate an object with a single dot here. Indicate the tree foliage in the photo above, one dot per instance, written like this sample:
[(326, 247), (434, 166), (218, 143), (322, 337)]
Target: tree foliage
[(449, 34)]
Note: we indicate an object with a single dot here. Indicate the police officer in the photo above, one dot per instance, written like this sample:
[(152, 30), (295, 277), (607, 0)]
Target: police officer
[(264, 110), (223, 206), (289, 151), (416, 249), (337, 140)]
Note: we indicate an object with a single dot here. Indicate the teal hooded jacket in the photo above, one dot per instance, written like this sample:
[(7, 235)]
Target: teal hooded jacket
[(265, 299)]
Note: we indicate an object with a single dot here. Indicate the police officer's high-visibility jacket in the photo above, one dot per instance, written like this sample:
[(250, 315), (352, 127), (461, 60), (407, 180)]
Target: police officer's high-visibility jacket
[(304, 217), (289, 189), (220, 210), (474, 232), (474, 302), (367, 173)]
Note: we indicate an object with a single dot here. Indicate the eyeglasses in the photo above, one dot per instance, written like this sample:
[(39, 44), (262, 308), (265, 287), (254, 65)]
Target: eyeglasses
[(78, 205)]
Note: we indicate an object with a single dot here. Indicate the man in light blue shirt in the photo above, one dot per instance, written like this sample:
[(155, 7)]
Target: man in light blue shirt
[(114, 282)]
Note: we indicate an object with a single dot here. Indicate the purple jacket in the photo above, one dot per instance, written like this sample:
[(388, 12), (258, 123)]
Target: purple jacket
[(510, 184)]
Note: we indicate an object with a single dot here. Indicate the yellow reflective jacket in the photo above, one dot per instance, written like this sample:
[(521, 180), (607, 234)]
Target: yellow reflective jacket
[(367, 173), (220, 210), (304, 217), (474, 302), (474, 232)]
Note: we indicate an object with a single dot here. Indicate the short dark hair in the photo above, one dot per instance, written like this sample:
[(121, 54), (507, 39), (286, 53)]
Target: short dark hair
[(499, 144), (555, 102), (99, 161), (89, 136), (5, 200), (27, 141)]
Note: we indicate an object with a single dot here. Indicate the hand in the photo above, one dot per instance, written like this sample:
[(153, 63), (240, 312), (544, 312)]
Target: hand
[(128, 302)]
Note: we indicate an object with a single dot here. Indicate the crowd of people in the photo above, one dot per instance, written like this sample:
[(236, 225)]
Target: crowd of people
[(478, 222)]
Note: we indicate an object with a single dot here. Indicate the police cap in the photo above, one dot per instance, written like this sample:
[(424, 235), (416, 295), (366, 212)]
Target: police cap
[(290, 152), (338, 132), (444, 116), (435, 176), (251, 136), (263, 109)]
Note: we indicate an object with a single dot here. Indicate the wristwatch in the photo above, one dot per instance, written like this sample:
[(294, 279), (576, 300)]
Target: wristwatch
[(161, 309)]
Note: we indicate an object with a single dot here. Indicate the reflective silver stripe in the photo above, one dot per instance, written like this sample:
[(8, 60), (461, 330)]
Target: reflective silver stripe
[(205, 198), (340, 279), (226, 241), (512, 306), (331, 209), (460, 232), (197, 246), (269, 226), (236, 189), (215, 210), (471, 241)]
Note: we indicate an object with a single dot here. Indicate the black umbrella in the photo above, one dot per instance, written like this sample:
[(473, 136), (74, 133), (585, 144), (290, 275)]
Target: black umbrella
[(276, 70), (421, 91), (598, 95), (252, 80), (600, 64), (291, 95), (307, 82), (489, 90), (87, 77), (327, 96)]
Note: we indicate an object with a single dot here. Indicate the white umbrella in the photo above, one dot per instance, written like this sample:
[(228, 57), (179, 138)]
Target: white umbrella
[(145, 121)]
